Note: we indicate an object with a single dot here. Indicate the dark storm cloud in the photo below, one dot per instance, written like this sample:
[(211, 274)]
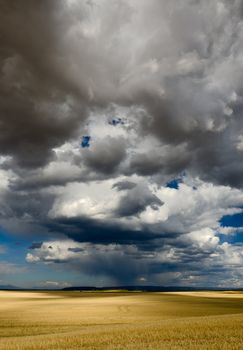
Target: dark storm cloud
[(87, 230), (38, 110), (106, 155), (36, 180), (122, 269), (145, 164), (25, 204), (169, 162), (136, 200), (128, 263), (58, 64), (124, 185)]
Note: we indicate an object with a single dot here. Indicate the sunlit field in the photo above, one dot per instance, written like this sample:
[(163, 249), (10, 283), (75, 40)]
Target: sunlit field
[(119, 320)]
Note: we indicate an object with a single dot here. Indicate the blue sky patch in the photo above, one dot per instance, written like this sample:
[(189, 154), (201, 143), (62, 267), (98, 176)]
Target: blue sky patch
[(174, 184), (116, 121), (85, 142), (232, 220)]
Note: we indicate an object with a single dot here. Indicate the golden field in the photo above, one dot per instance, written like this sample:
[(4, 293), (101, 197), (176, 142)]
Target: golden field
[(119, 320)]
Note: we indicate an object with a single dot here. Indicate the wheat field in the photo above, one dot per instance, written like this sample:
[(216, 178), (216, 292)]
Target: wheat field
[(119, 320)]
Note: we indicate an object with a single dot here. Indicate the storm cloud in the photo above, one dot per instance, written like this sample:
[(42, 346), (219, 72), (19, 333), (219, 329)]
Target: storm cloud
[(102, 104)]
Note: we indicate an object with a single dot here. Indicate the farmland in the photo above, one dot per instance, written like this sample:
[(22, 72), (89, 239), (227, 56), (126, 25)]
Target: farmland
[(120, 320)]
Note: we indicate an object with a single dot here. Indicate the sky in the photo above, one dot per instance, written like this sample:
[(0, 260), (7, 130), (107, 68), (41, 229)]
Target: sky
[(121, 143)]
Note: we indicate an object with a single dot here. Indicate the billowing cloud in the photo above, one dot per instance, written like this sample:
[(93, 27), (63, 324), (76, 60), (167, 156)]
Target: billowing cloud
[(104, 105), (129, 263), (175, 229)]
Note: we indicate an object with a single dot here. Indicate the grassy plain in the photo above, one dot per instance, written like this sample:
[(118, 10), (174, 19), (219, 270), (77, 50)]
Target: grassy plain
[(121, 321)]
